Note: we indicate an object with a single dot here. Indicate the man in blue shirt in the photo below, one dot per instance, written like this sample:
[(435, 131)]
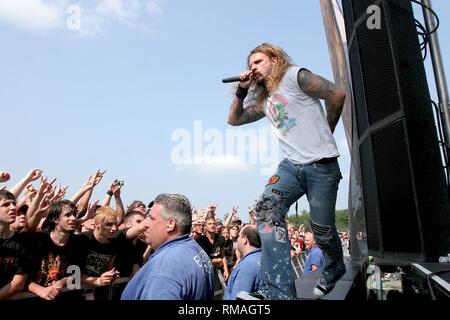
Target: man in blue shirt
[(246, 275), (314, 261), (178, 269)]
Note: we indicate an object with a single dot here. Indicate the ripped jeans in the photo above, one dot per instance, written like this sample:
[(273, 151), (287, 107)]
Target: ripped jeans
[(319, 181)]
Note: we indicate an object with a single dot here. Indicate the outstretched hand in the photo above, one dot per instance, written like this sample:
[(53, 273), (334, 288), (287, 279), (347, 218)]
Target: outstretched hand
[(90, 212), (34, 174)]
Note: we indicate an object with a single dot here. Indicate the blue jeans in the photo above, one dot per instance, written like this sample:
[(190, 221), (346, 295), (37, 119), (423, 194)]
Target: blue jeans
[(319, 181)]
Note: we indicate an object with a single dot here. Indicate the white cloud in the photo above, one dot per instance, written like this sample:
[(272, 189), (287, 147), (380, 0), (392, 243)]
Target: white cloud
[(153, 7), (32, 14), (96, 16), (125, 11)]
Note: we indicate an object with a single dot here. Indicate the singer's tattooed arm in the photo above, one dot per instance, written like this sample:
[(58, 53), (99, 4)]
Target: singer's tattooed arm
[(237, 115), (321, 88)]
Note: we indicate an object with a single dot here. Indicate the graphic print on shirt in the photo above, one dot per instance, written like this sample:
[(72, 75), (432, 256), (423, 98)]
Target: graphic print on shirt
[(7, 262), (97, 263), (278, 115), (52, 268), (203, 262)]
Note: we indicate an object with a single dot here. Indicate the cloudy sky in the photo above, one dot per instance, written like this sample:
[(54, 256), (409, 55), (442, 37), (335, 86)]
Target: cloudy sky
[(134, 87)]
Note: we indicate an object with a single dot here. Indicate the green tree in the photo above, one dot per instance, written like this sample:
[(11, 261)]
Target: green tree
[(342, 222), (302, 218)]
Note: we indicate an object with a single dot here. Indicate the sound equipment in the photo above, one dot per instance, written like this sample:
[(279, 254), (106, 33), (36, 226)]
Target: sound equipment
[(405, 194)]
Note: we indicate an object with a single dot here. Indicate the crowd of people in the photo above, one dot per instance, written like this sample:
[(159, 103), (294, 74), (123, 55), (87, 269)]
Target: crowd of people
[(43, 234)]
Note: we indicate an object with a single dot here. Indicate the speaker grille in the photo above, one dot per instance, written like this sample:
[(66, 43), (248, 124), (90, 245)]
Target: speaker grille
[(379, 73), (369, 181), (406, 200), (396, 198)]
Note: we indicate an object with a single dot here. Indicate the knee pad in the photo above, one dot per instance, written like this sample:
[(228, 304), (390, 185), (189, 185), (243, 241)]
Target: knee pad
[(268, 209), (323, 234)]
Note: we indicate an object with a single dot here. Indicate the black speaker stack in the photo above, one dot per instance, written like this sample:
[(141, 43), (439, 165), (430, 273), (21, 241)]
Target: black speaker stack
[(406, 198)]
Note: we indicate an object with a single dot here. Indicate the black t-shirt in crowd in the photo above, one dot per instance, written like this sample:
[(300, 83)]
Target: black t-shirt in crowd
[(50, 261), (215, 249), (129, 253), (13, 258), (100, 256), (230, 253)]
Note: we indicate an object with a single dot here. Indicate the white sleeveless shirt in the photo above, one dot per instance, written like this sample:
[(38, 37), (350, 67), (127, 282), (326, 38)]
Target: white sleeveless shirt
[(299, 121)]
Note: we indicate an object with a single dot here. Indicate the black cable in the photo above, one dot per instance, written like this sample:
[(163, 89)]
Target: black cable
[(445, 147), (423, 32), (432, 12)]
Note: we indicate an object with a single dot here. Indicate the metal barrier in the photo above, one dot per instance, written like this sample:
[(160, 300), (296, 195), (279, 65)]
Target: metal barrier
[(219, 291), (88, 291), (298, 264)]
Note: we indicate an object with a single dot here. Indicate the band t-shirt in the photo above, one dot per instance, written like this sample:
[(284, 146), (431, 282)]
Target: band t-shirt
[(13, 258), (214, 249), (299, 121), (99, 256), (51, 261), (230, 253)]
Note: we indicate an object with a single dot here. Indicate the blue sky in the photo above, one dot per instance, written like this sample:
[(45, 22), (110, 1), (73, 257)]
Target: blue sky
[(111, 93)]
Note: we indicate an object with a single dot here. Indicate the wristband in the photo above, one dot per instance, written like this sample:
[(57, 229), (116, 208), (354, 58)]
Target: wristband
[(110, 193), (241, 93)]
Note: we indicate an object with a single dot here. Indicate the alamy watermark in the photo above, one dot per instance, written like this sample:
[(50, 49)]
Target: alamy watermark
[(73, 22), (74, 280), (232, 147), (374, 20)]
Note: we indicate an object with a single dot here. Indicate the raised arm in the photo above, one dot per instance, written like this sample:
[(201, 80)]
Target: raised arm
[(120, 210), (88, 187), (138, 229), (237, 114), (230, 217), (252, 214), (38, 207), (107, 199), (321, 88), (31, 176), (211, 211)]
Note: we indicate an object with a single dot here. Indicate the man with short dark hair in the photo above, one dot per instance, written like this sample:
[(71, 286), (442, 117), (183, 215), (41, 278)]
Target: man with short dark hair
[(13, 264), (178, 269), (214, 245), (130, 257), (54, 249), (246, 275)]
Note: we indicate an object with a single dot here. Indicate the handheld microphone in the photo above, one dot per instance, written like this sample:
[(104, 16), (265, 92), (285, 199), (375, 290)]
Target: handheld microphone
[(231, 79)]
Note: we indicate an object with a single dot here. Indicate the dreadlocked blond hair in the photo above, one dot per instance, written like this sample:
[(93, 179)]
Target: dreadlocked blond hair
[(262, 90)]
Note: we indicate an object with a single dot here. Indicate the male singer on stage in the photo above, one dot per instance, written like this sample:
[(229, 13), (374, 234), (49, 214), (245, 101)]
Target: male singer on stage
[(289, 96)]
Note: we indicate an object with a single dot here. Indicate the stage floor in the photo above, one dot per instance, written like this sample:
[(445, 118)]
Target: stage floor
[(305, 285)]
